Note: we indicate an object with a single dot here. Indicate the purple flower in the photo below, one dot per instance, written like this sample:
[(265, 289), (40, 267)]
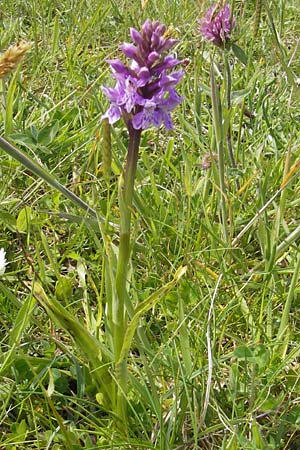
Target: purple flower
[(144, 92), (216, 27), (123, 96), (156, 111)]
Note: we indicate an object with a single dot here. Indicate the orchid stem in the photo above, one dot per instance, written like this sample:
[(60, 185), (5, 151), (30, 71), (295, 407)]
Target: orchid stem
[(228, 106), (126, 190), (218, 129)]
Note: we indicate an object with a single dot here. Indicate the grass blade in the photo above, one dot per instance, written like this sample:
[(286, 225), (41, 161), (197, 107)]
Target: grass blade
[(42, 173)]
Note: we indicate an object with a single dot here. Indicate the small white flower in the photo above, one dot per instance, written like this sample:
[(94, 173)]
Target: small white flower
[(2, 261)]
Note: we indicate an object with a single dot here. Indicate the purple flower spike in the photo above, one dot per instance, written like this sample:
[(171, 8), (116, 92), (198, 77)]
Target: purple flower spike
[(217, 25), (145, 89)]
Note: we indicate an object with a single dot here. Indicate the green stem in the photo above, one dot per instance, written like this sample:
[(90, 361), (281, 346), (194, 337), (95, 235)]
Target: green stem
[(287, 307), (240, 154), (228, 105), (126, 190), (218, 128)]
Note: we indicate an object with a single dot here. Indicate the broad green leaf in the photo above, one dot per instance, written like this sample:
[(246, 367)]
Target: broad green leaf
[(239, 53), (97, 355), (243, 352), (21, 321), (47, 134), (23, 220), (64, 288), (237, 96)]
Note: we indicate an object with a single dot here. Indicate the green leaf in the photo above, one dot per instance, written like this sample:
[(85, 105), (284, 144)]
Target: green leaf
[(23, 220), (257, 438), (282, 56), (96, 353), (23, 139), (8, 122), (34, 132), (216, 107), (243, 352), (8, 220), (63, 288), (21, 322), (42, 173), (240, 54), (272, 402), (47, 134), (206, 89), (237, 96), (143, 307), (19, 430)]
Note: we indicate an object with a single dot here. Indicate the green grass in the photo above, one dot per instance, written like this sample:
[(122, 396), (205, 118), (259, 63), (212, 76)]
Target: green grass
[(220, 365)]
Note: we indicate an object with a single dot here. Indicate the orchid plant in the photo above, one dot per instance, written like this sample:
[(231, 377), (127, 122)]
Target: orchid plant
[(216, 28), (143, 96)]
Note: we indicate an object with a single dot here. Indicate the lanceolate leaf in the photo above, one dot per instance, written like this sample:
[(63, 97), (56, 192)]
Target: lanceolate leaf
[(143, 307), (97, 355), (239, 53)]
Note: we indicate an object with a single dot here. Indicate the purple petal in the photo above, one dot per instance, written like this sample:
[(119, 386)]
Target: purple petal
[(113, 114), (144, 73), (118, 66), (160, 29), (129, 50), (157, 118), (137, 121), (111, 93), (155, 39), (147, 28), (210, 12), (136, 36), (171, 80), (144, 119), (217, 28), (226, 11), (153, 56), (168, 121), (168, 63), (144, 90), (167, 45)]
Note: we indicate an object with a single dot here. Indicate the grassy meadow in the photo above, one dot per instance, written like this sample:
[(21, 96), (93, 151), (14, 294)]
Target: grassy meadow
[(212, 335)]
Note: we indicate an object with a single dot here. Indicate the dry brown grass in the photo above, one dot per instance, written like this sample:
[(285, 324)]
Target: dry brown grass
[(10, 59)]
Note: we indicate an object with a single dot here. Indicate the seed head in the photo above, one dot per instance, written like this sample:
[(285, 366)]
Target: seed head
[(12, 57)]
